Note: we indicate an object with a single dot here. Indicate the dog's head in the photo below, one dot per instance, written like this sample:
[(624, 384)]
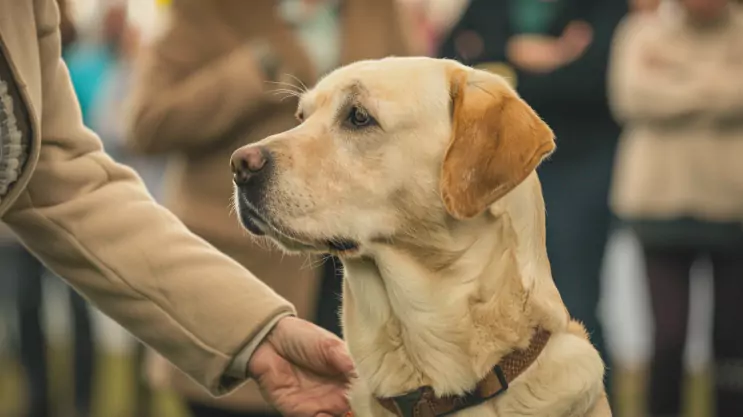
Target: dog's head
[(388, 147)]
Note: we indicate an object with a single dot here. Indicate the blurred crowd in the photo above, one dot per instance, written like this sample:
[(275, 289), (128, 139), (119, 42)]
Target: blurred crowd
[(645, 98)]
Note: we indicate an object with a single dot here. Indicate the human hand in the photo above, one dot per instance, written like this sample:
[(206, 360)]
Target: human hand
[(303, 370), (542, 54)]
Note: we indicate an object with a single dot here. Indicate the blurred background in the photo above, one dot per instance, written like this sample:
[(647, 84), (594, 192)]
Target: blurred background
[(643, 195)]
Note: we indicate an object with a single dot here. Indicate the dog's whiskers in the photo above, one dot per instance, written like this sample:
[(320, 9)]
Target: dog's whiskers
[(285, 91), (286, 94), (293, 87), (232, 205), (312, 261), (304, 88)]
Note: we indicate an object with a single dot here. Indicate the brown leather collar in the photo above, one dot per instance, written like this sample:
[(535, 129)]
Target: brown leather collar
[(424, 403)]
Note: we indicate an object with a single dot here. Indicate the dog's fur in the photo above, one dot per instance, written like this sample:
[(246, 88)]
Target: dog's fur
[(442, 220)]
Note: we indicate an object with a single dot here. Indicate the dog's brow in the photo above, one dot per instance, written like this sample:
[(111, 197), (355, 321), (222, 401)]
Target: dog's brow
[(351, 93), (355, 88)]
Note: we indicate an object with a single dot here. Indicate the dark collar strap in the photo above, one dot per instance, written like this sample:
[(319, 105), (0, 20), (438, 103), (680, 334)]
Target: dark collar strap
[(424, 403)]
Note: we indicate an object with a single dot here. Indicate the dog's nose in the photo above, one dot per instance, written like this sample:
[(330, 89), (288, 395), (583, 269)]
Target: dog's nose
[(246, 162)]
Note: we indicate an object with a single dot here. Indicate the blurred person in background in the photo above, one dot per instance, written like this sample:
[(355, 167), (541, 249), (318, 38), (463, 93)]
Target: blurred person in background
[(432, 20), (223, 74), (119, 46), (90, 59), (28, 274), (677, 86), (121, 41), (555, 53), (24, 275), (428, 19)]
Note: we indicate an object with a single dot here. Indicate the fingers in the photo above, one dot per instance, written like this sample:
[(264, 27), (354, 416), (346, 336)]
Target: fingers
[(323, 402), (574, 41), (335, 411), (578, 35), (578, 29), (312, 348), (340, 360), (343, 414)]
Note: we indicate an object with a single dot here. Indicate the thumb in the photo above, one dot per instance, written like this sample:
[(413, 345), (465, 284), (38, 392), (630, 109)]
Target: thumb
[(340, 359), (311, 347), (330, 357)]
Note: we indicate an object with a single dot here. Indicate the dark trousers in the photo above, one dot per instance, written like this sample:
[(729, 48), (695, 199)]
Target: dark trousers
[(575, 184), (28, 273), (668, 273)]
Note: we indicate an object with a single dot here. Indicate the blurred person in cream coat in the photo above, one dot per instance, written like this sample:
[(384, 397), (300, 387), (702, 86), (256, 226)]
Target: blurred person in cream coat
[(676, 84)]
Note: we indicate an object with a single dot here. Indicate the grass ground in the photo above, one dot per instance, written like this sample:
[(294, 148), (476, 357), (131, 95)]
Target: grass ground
[(115, 390)]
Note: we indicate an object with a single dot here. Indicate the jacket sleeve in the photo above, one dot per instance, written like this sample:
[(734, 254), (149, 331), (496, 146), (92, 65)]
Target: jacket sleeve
[(184, 103), (91, 221), (641, 94)]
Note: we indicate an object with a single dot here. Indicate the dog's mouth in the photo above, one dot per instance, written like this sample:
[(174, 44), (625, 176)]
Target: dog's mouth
[(342, 245), (251, 221), (259, 225)]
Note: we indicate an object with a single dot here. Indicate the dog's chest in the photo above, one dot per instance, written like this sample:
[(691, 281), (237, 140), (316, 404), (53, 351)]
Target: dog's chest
[(401, 338), (399, 348), (373, 334)]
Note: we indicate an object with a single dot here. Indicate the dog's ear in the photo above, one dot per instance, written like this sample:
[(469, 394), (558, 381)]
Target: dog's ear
[(497, 141)]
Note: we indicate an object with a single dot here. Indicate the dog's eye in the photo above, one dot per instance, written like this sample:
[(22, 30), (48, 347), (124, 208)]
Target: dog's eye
[(359, 117)]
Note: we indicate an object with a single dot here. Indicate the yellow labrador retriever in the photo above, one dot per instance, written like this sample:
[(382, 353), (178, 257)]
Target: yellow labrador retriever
[(420, 175)]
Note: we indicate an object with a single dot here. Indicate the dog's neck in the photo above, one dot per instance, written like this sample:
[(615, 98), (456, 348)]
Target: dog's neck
[(444, 317)]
